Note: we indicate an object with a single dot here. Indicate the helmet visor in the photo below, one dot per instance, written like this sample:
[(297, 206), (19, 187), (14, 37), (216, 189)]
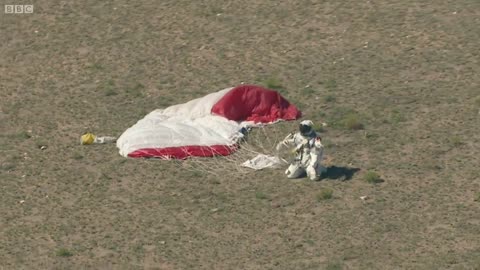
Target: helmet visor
[(304, 129)]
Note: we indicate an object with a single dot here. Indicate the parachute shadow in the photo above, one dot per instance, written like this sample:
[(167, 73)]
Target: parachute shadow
[(339, 173)]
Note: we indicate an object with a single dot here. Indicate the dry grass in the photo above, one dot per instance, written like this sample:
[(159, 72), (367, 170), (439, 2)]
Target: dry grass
[(406, 72)]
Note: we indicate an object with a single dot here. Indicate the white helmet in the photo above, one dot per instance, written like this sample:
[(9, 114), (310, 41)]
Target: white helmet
[(307, 123), (306, 127)]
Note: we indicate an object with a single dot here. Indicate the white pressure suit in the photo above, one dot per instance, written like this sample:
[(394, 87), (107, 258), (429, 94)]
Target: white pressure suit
[(308, 152)]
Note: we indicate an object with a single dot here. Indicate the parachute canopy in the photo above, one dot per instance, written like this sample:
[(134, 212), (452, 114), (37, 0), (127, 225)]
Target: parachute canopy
[(206, 126)]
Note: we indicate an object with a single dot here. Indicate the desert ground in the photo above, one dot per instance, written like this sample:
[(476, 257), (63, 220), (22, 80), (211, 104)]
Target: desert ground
[(396, 82)]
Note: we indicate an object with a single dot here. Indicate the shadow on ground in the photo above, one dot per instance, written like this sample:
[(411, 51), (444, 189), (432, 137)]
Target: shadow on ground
[(339, 173)]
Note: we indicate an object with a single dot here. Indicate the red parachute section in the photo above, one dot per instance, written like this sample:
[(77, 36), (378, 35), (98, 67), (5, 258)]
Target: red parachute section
[(255, 103)]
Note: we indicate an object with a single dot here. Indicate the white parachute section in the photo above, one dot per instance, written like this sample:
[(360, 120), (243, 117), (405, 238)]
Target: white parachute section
[(180, 125)]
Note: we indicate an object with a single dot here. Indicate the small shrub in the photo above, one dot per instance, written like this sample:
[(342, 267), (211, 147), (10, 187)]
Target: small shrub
[(214, 11), (371, 136), (325, 194), (327, 143), (477, 197), (14, 158), (319, 128), (136, 91), (122, 161), (77, 156), (352, 121), (456, 141), (165, 101), (331, 84), (96, 66), (372, 177), (105, 176), (110, 92), (7, 166), (397, 117), (334, 266), (196, 174), (24, 135), (260, 195), (307, 91), (330, 98), (63, 252), (345, 118), (273, 83), (477, 101)]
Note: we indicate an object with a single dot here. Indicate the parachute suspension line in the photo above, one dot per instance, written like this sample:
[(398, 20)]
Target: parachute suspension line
[(269, 142), (194, 165), (233, 159), (213, 165), (260, 140)]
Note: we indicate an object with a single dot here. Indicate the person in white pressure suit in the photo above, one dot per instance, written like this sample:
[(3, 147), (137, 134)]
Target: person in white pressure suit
[(308, 151)]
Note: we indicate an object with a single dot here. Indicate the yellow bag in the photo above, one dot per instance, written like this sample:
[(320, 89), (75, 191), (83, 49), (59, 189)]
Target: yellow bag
[(87, 138)]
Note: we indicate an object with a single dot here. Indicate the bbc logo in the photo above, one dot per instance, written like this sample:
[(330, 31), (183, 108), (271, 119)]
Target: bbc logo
[(18, 9)]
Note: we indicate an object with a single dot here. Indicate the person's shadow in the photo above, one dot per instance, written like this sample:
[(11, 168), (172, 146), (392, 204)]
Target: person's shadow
[(339, 173)]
